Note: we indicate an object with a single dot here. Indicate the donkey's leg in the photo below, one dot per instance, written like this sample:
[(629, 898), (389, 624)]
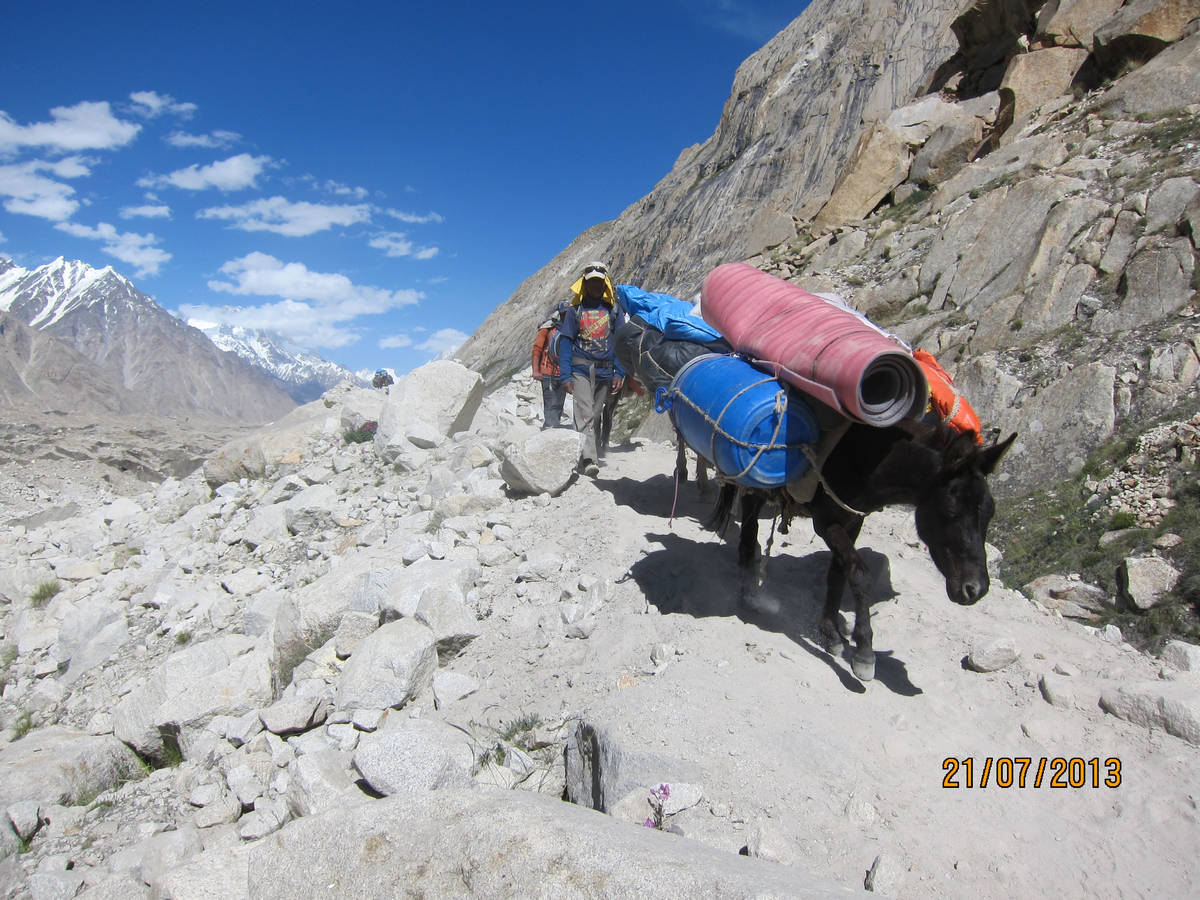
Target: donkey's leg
[(748, 551), (702, 483), (680, 457), (848, 567)]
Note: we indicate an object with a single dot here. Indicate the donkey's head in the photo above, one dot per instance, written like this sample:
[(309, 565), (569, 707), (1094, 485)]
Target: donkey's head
[(953, 516)]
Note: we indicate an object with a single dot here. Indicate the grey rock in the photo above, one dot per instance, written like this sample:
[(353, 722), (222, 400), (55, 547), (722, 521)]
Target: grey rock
[(25, 816), (442, 609), (389, 668), (352, 629), (321, 781), (267, 524), (766, 841), (312, 511), (1181, 655), (225, 676), (947, 151), (1170, 81), (1143, 582), (512, 844), (240, 458), (293, 714), (994, 655), (442, 393), (1073, 598), (221, 871), (241, 729), (600, 771), (1173, 706), (54, 885), (416, 755), (405, 592), (886, 876), (1167, 203), (264, 819), (543, 462), (165, 851), (1156, 283), (450, 687), (1058, 690), (222, 808), (1074, 22), (60, 765)]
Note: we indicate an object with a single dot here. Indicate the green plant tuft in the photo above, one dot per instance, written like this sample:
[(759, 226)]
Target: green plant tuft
[(43, 592), (361, 435)]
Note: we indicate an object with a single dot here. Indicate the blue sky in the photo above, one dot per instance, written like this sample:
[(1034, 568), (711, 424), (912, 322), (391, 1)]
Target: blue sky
[(369, 179)]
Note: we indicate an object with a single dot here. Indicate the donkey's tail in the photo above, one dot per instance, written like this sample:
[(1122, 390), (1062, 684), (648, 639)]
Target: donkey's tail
[(722, 512)]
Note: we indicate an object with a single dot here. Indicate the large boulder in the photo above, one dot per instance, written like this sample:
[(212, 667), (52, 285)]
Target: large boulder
[(1143, 582), (880, 162), (58, 765), (1035, 78), (542, 463), (225, 676), (442, 394), (456, 843), (1074, 22), (389, 667), (1168, 82)]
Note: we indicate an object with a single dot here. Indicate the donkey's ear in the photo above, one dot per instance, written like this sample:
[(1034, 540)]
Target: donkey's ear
[(991, 455)]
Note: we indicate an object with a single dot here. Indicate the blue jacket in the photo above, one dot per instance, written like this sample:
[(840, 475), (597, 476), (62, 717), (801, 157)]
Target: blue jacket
[(587, 340)]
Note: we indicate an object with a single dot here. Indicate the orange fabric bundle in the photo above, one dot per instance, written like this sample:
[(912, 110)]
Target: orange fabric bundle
[(944, 399)]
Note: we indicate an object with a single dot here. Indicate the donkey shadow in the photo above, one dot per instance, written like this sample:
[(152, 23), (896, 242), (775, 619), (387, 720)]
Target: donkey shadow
[(658, 496), (701, 580)]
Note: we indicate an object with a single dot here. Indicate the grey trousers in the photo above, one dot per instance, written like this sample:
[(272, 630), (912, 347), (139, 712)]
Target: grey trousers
[(554, 397), (590, 396)]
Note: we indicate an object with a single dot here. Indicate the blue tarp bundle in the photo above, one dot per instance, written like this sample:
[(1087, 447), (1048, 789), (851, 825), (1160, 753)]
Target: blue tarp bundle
[(668, 314)]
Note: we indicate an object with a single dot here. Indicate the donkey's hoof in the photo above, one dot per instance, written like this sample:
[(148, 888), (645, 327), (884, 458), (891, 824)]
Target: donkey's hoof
[(864, 670)]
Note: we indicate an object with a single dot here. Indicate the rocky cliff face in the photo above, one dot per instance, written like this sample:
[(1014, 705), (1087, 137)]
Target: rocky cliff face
[(1012, 185)]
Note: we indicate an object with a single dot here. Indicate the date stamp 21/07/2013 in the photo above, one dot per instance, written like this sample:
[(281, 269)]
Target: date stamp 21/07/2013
[(1057, 772)]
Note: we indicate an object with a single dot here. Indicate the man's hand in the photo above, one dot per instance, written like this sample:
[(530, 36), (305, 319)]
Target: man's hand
[(569, 386), (617, 383)]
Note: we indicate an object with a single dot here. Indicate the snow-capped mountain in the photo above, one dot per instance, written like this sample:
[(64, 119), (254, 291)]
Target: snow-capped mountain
[(303, 374), (168, 367)]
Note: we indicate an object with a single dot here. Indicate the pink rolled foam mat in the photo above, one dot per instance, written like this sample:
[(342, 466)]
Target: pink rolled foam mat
[(826, 350)]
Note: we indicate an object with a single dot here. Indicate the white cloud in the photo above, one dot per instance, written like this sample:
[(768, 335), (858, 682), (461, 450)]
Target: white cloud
[(136, 249), (444, 342), (263, 275), (395, 342), (396, 243), (315, 309), (278, 215), (149, 211), (413, 218), (28, 192), (303, 323), (85, 126), (152, 104), (345, 190), (211, 140), (230, 174)]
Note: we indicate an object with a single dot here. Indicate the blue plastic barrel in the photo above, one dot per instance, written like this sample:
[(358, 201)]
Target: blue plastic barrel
[(745, 422)]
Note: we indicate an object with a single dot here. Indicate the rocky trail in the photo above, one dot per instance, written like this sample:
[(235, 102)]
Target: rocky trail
[(380, 666)]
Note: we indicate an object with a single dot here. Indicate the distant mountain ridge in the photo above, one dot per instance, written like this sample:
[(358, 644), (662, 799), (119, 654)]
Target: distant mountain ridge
[(302, 374), (166, 366)]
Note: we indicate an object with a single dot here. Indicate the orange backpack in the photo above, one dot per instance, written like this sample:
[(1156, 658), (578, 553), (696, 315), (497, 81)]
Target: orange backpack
[(945, 400)]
